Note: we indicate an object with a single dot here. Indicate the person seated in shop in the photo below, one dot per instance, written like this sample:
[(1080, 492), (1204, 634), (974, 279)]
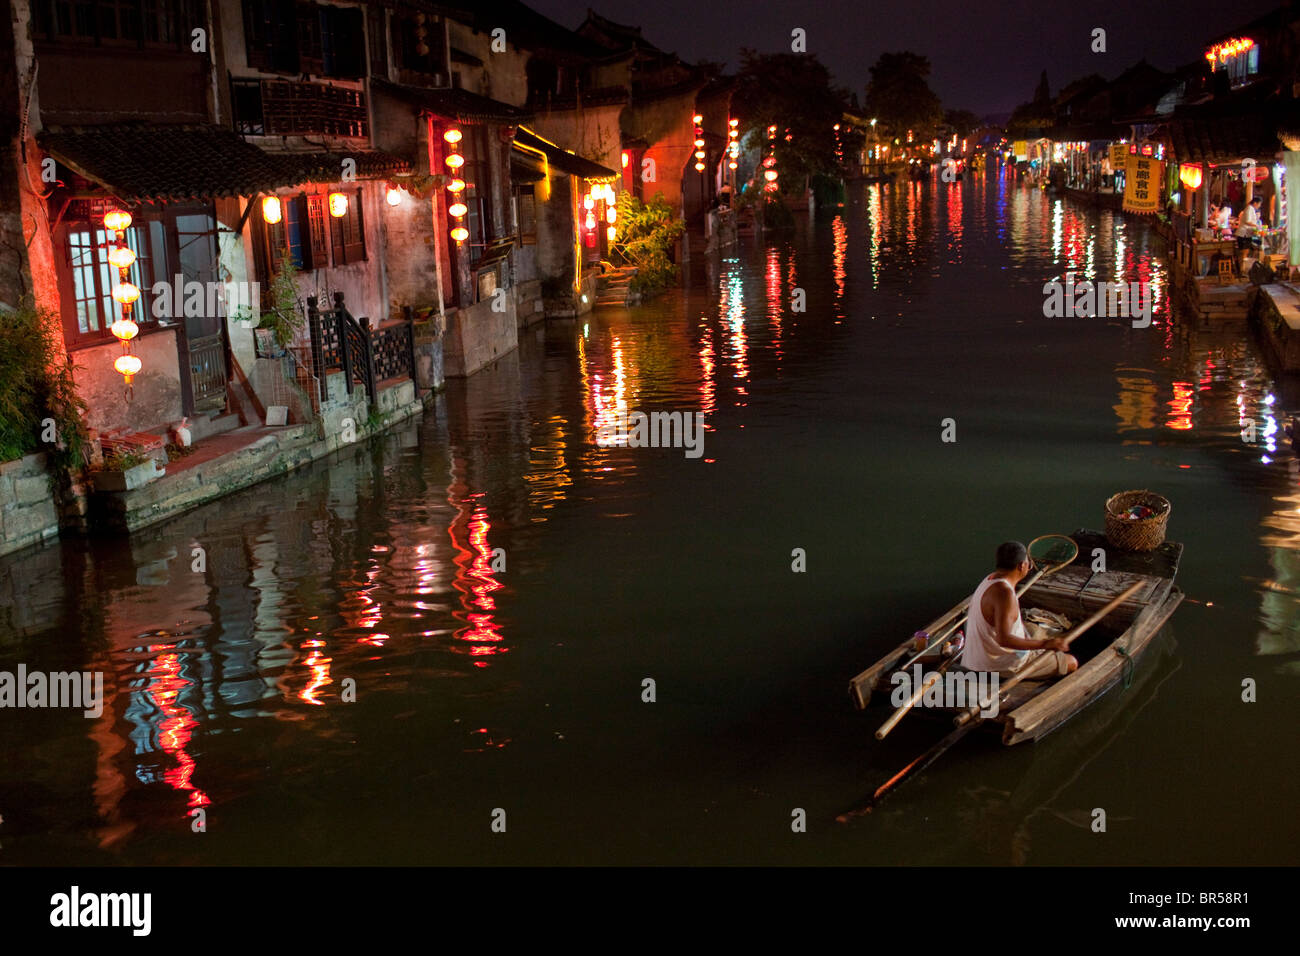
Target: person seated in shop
[(996, 637)]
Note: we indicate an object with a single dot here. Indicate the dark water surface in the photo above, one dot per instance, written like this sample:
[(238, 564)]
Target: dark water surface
[(521, 689)]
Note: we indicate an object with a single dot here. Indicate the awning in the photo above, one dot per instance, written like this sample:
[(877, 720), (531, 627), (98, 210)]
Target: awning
[(1221, 139), (460, 105), (524, 170), (328, 167), (530, 144), (154, 163), (176, 163)]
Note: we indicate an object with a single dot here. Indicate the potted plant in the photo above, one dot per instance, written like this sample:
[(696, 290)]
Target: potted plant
[(282, 320), (126, 471)]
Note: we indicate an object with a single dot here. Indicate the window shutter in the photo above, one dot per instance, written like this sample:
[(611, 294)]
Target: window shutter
[(337, 240), (354, 230), (319, 232)]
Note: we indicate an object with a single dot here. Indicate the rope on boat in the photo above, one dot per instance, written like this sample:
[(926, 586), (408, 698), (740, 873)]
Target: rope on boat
[(1129, 666)]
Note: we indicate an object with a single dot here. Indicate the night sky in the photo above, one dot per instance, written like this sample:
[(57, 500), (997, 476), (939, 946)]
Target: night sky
[(986, 56)]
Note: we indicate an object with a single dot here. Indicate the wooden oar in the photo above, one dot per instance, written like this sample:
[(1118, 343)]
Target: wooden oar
[(899, 713), (968, 720), (1029, 582), (1015, 679)]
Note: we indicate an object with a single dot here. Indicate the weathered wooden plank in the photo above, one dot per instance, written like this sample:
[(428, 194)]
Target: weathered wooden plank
[(1078, 589), (1073, 692), (860, 686)]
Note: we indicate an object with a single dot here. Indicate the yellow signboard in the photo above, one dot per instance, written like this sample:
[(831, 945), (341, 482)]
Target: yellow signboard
[(1143, 179), (1020, 149), (1118, 156)]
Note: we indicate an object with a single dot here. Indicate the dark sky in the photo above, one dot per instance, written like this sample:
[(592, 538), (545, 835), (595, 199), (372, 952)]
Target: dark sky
[(986, 56)]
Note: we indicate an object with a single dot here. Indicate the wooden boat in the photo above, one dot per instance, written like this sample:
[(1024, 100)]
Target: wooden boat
[(1033, 709)]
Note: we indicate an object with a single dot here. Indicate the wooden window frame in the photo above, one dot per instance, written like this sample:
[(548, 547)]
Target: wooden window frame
[(348, 233)]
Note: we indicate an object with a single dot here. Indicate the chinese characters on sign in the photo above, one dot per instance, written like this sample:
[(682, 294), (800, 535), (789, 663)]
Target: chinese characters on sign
[(1142, 180)]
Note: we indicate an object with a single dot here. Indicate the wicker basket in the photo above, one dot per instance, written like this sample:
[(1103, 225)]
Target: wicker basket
[(1137, 534)]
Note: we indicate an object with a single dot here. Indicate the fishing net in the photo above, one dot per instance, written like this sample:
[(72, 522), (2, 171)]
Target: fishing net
[(1052, 550)]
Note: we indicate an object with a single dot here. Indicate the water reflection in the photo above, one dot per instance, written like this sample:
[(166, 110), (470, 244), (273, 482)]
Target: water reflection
[(423, 566)]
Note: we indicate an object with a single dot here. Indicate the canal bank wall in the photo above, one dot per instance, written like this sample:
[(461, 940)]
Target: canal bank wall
[(33, 509)]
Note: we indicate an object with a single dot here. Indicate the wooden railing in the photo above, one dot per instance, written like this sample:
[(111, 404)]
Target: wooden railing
[(339, 341)]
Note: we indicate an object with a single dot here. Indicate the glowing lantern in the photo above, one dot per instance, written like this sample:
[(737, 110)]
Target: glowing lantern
[(125, 329), (125, 293), (456, 185), (626, 159), (699, 167), (588, 202), (770, 175), (697, 119), (699, 143), (394, 196), (271, 211), (1190, 176), (609, 193), (611, 215), (733, 122), (610, 233), (118, 220), (458, 210), (699, 154), (591, 221), (460, 233), (121, 257), (455, 160), (452, 136), (731, 165), (338, 205), (128, 365)]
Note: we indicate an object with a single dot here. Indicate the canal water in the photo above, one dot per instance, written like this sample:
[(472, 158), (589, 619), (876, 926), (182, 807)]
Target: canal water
[(375, 659)]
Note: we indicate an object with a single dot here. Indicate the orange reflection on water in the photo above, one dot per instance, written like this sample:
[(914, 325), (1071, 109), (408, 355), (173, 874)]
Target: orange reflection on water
[(840, 232), (1180, 407), (1137, 405), (707, 385), (609, 402), (319, 666)]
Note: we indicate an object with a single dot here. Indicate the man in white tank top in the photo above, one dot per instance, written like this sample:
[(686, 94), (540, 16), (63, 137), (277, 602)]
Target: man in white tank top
[(996, 639)]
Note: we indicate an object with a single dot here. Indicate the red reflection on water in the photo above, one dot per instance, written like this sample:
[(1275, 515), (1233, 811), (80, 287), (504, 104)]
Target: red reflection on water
[(475, 578), (954, 198), (174, 723), (1180, 407)]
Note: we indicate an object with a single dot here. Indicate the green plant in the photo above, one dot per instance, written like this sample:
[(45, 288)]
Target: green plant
[(37, 390), (123, 460), (284, 318), (647, 232)]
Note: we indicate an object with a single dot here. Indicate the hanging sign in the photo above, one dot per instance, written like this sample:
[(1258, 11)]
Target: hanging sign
[(1118, 155), (1142, 181), (1021, 149)]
